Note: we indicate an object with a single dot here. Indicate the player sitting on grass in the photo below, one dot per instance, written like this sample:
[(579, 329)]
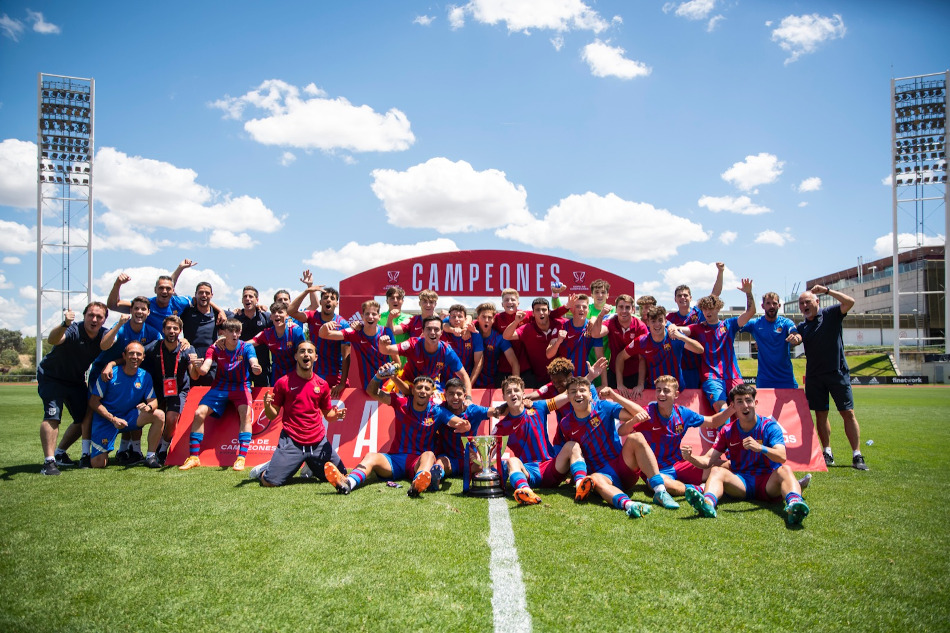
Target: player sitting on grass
[(304, 398), (536, 463), (450, 444), (664, 433), (756, 449), (235, 359), (411, 452), (597, 425), (123, 403)]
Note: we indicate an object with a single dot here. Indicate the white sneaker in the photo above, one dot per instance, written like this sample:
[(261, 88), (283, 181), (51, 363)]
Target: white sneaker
[(804, 481), (255, 473)]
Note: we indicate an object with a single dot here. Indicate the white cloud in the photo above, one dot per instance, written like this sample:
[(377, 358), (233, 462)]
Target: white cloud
[(728, 237), (884, 246), (801, 34), (557, 42), (12, 315), (17, 238), (802, 204), (608, 226), (28, 292), (11, 28), (810, 184), (155, 195), (774, 237), (888, 180), (353, 258), (424, 20), (11, 260), (524, 15), (40, 25), (4, 284), (456, 17), (714, 22), (742, 205), (449, 197), (761, 169), (609, 61), (699, 276), (315, 121), (221, 238), (691, 10), (18, 173), (287, 158)]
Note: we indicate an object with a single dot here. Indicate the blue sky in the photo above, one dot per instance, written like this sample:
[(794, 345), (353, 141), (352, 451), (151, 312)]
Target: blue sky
[(646, 138)]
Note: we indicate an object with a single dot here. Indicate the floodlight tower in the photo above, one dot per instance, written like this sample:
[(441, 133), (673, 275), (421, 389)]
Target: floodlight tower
[(919, 190), (64, 157)]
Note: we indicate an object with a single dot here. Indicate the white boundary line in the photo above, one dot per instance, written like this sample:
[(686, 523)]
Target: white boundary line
[(509, 605)]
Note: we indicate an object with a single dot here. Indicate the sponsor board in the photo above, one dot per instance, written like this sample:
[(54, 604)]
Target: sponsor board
[(368, 427)]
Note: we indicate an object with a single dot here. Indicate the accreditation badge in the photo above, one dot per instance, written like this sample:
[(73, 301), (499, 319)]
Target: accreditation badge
[(170, 386)]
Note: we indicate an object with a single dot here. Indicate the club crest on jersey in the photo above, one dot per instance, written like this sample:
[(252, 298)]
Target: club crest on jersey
[(490, 348), (595, 421), (316, 389), (679, 427), (667, 346), (428, 421), (778, 329), (468, 345), (138, 385), (439, 366)]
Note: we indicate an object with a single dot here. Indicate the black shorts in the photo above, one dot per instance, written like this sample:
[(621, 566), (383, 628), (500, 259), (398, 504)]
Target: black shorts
[(57, 395), (290, 455), (818, 388), (174, 403)]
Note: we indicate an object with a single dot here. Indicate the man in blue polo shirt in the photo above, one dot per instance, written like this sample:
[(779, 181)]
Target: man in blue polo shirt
[(774, 335)]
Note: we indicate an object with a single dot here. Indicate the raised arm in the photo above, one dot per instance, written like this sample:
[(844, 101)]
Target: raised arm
[(294, 308), (113, 301), (846, 302), (717, 286), (109, 339), (511, 332), (373, 389), (551, 350), (307, 279), (182, 267), (746, 287), (57, 333)]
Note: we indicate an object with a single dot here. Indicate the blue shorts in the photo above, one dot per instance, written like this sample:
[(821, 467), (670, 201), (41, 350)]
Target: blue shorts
[(104, 432), (217, 400), (403, 465), (755, 485), (715, 390), (817, 389)]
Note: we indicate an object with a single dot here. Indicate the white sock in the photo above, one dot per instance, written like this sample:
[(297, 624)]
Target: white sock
[(124, 445), (164, 445), (828, 450), (856, 453), (150, 454), (137, 446), (60, 451), (660, 488), (86, 447)]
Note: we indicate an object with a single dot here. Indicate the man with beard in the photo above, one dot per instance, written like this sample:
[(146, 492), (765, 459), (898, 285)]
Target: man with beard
[(200, 327), (254, 320), (304, 399), (774, 335), (428, 356)]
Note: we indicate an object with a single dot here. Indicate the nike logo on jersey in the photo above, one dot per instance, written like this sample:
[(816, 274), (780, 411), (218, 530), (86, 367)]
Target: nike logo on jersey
[(294, 388)]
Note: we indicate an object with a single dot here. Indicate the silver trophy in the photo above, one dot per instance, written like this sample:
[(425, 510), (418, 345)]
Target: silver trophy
[(482, 466)]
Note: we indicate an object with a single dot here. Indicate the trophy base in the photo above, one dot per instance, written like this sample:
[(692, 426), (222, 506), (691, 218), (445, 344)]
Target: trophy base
[(485, 487)]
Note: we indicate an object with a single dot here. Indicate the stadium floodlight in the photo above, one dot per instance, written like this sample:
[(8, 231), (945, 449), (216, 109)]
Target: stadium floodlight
[(65, 107), (919, 110)]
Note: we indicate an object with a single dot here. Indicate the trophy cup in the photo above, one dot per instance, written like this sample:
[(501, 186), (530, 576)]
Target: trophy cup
[(481, 466)]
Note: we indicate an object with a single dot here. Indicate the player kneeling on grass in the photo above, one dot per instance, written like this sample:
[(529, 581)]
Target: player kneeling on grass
[(664, 432), (235, 360), (305, 400), (411, 452), (123, 403), (536, 463), (450, 444), (756, 449), (615, 466)]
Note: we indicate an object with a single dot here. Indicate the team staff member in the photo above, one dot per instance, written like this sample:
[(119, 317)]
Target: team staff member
[(60, 377)]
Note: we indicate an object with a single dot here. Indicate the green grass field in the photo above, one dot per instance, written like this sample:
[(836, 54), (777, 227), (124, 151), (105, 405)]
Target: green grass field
[(130, 549)]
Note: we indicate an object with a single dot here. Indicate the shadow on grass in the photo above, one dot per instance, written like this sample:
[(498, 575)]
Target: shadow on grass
[(9, 472)]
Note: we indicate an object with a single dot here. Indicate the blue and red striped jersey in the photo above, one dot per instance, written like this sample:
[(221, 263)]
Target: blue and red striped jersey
[(664, 435), (440, 365), (366, 351), (596, 433), (414, 431), (528, 432), (329, 363), (719, 355), (233, 368), (766, 432), (282, 348)]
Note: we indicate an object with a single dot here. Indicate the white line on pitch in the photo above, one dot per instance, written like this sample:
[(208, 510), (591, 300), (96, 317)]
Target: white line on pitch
[(509, 605)]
